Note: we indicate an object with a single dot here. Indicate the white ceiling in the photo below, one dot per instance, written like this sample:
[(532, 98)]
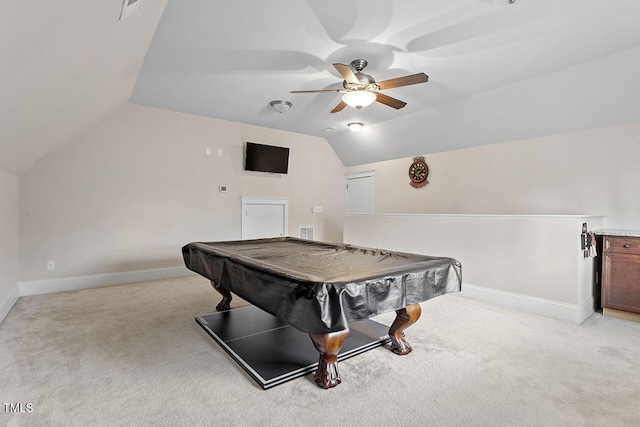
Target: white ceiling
[(64, 66), (497, 71)]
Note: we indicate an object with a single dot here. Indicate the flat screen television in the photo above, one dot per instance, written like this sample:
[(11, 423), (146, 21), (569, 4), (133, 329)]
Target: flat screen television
[(266, 158)]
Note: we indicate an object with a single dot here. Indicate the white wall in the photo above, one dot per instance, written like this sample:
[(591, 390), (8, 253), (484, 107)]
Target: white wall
[(9, 248), (588, 172), (533, 263), (129, 193)]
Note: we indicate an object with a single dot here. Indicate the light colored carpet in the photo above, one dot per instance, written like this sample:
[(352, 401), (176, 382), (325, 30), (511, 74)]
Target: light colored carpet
[(133, 355)]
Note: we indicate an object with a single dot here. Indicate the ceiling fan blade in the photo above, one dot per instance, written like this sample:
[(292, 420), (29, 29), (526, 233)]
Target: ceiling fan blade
[(347, 73), (391, 102), (315, 91), (339, 107), (403, 81)]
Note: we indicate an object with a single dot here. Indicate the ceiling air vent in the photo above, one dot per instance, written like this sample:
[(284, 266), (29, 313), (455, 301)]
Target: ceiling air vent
[(306, 233), (128, 8)]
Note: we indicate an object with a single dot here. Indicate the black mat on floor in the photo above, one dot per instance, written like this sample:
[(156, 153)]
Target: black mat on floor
[(271, 351)]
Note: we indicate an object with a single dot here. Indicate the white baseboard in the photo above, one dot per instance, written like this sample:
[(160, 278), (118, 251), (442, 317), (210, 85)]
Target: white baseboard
[(37, 287), (558, 310), (9, 301)]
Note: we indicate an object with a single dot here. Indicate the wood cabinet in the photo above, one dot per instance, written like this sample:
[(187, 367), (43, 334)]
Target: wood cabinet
[(621, 275)]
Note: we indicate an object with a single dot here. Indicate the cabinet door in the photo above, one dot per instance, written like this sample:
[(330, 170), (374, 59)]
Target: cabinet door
[(621, 282), (263, 221)]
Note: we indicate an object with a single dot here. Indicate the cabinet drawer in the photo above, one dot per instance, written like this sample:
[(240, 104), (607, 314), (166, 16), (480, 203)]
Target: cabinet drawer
[(625, 245)]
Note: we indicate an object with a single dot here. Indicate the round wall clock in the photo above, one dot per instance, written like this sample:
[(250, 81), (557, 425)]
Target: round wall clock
[(418, 172)]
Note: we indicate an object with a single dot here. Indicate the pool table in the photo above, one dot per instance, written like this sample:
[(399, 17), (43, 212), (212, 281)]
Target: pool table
[(320, 287)]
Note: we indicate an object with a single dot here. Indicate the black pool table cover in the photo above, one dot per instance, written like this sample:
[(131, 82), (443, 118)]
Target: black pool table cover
[(320, 287)]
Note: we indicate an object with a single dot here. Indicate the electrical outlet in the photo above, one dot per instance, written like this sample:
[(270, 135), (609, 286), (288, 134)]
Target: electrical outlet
[(51, 265)]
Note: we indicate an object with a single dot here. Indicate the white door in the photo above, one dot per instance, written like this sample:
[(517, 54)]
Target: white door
[(263, 218), (360, 190)]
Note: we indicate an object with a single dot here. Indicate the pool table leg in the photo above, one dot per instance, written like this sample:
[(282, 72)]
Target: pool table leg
[(225, 304), (404, 318), (328, 345)]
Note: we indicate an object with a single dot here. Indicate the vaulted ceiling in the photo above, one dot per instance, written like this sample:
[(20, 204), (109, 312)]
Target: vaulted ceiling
[(66, 65), (497, 71)]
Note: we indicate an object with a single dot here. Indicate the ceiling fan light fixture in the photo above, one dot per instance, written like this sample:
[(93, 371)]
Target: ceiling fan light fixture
[(280, 106), (358, 99), (355, 126)]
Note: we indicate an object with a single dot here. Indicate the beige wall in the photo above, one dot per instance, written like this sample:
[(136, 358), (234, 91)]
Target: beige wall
[(589, 172), (9, 248), (128, 194), (528, 262)]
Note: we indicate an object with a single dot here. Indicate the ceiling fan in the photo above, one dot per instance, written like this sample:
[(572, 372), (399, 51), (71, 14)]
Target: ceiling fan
[(361, 89)]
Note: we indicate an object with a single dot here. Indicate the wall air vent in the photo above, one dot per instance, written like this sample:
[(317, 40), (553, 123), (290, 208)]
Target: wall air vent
[(306, 233), (128, 8)]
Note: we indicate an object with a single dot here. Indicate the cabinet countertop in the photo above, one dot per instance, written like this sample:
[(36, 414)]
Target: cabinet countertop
[(621, 233)]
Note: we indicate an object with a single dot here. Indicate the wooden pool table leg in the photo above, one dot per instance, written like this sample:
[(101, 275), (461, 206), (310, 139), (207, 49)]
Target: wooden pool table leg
[(404, 318), (328, 345), (225, 304)]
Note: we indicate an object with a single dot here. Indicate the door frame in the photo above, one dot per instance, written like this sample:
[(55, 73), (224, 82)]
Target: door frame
[(364, 174), (264, 200)]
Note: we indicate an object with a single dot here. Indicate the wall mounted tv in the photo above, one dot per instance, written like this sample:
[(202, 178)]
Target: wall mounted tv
[(266, 158)]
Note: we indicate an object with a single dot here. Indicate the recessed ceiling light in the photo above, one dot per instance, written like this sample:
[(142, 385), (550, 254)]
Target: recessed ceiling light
[(330, 129)]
